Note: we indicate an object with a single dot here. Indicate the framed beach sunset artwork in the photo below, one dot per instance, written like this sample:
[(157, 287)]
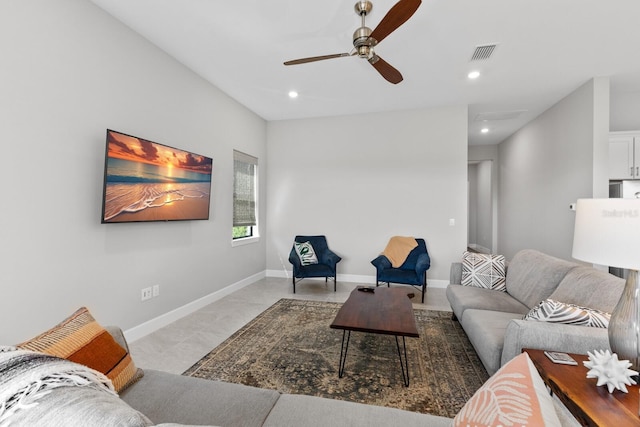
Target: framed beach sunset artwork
[(147, 181)]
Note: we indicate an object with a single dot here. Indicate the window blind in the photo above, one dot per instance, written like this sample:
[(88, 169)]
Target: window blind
[(244, 189)]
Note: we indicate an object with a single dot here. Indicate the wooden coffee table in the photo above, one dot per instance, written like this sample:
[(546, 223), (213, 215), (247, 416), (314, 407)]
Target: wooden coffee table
[(385, 311), (590, 404)]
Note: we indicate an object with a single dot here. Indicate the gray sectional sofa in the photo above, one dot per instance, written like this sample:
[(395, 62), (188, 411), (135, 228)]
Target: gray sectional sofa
[(174, 399), (493, 319), (42, 390), (170, 400)]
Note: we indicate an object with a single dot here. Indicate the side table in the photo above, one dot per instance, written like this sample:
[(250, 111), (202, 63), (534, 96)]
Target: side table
[(590, 404)]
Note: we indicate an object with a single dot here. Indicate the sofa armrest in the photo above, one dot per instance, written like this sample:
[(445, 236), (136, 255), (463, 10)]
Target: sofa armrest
[(455, 273), (551, 336)]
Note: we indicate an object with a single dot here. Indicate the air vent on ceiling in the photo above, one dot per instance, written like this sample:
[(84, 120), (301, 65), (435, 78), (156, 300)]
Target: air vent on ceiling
[(498, 115), (483, 52)]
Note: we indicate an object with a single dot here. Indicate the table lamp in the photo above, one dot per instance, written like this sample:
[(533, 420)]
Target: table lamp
[(607, 232)]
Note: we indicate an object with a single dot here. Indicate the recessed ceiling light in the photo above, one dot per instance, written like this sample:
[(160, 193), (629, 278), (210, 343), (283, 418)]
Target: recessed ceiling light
[(473, 75), (293, 94), (484, 130)]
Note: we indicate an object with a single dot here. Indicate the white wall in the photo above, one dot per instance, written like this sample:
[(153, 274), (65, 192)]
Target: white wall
[(625, 111), (557, 158), (361, 179), (69, 71)]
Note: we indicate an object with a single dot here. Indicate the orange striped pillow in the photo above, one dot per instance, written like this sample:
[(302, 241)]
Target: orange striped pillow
[(81, 339)]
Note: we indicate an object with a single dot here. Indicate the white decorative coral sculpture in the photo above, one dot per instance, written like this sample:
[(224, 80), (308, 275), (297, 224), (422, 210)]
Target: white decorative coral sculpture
[(609, 370)]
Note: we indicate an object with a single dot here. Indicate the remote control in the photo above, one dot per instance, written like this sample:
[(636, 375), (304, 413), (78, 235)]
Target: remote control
[(367, 289)]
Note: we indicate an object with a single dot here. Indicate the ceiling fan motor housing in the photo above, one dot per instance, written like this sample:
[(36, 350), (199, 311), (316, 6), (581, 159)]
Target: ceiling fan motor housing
[(361, 37)]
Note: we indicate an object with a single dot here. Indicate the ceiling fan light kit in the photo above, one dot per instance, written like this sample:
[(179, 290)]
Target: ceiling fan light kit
[(364, 39)]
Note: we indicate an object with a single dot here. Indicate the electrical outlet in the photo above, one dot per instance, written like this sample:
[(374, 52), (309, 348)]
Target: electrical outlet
[(147, 293), (156, 290)]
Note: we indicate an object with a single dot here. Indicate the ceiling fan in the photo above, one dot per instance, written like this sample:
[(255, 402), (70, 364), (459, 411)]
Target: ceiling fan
[(364, 40)]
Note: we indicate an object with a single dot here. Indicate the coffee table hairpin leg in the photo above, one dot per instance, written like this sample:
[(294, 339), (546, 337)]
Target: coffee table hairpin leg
[(346, 335), (343, 352), (404, 366)]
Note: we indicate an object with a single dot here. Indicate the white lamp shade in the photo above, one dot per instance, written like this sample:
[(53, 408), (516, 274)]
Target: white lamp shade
[(607, 232)]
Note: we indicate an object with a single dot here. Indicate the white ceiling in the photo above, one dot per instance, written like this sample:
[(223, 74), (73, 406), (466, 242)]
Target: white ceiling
[(546, 49)]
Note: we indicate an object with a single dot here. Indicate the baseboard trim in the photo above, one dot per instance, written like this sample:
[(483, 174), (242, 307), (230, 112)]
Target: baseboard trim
[(479, 248), (435, 283), (163, 320), (356, 278)]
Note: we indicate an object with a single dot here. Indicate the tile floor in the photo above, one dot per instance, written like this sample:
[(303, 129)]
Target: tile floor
[(179, 345)]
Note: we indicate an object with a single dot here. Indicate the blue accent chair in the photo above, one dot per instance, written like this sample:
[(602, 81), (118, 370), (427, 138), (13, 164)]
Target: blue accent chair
[(327, 261), (412, 272)]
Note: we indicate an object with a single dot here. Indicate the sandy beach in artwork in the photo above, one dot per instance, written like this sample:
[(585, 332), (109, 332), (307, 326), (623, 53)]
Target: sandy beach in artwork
[(197, 208)]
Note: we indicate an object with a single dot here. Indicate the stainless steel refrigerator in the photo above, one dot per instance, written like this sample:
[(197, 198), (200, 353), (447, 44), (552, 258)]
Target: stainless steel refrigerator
[(624, 189), (627, 190)]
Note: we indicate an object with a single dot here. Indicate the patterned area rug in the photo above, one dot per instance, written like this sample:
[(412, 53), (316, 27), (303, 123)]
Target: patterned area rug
[(290, 348)]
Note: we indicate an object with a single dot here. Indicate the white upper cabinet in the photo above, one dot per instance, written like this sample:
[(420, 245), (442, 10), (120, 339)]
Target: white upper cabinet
[(624, 155)]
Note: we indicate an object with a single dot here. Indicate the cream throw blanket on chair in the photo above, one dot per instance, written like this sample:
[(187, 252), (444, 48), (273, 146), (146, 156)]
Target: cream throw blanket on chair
[(398, 249)]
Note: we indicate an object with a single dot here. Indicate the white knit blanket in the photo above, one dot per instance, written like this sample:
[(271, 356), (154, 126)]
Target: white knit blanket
[(26, 376)]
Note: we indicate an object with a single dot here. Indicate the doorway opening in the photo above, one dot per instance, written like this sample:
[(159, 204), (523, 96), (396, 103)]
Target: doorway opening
[(481, 222)]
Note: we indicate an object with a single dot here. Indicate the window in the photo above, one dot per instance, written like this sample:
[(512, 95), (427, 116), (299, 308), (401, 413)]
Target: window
[(245, 177)]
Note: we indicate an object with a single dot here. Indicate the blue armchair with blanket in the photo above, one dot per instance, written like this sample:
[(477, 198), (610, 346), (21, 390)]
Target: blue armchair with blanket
[(413, 270)]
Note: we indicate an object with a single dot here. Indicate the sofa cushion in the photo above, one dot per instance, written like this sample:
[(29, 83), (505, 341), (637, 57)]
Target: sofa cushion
[(570, 314), (588, 287), (170, 398), (311, 411), (483, 271), (515, 395), (462, 298), (81, 339), (486, 330), (533, 276)]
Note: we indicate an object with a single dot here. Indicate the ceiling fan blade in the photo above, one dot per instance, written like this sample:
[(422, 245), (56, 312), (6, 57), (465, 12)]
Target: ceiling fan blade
[(387, 71), (316, 58), (397, 15)]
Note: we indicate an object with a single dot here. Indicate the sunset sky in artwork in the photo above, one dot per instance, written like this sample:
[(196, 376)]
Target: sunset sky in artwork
[(139, 150)]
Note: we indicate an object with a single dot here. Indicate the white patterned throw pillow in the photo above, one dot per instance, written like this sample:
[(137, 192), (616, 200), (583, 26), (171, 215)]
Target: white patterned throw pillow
[(483, 271), (570, 314), (306, 253)]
